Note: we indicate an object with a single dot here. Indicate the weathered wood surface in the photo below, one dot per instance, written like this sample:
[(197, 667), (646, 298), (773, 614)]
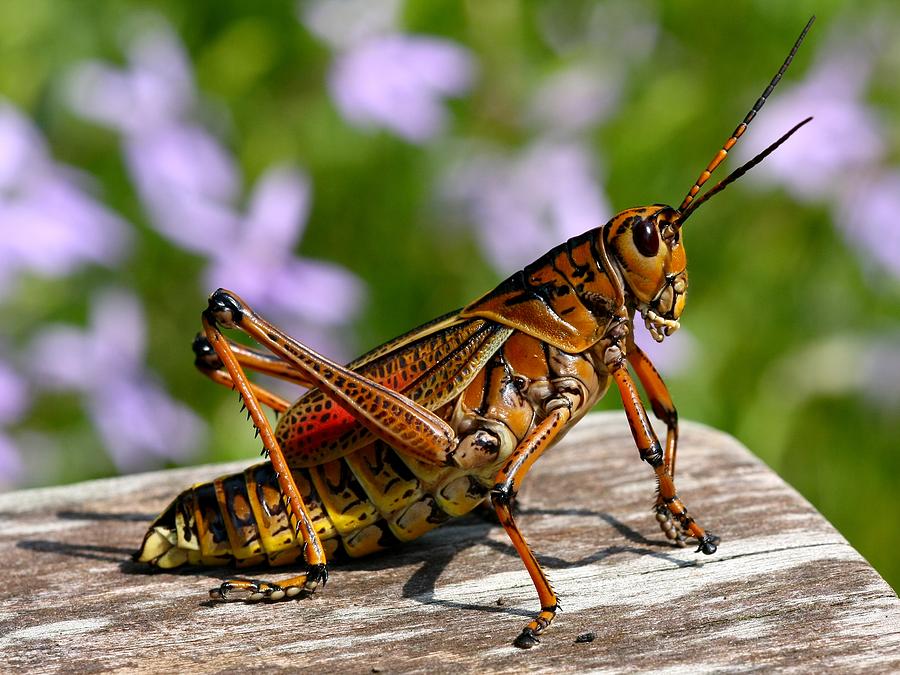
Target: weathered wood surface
[(785, 590)]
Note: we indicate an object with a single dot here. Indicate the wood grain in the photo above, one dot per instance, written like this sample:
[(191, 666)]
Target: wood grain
[(784, 591)]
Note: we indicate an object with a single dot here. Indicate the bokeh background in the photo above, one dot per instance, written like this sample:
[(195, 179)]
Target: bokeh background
[(356, 167)]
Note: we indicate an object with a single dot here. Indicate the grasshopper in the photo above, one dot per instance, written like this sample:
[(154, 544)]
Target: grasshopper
[(449, 416)]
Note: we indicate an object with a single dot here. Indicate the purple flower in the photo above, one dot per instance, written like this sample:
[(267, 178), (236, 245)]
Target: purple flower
[(522, 205), (11, 467), (190, 187), (575, 99), (346, 23), (51, 225), (866, 213), (154, 90), (598, 43), (880, 383), (844, 138), (398, 83), (14, 399), (385, 79), (617, 32), (839, 157), (257, 260), (138, 422), (186, 180)]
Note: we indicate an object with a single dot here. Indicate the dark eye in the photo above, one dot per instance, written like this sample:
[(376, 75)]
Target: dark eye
[(646, 238)]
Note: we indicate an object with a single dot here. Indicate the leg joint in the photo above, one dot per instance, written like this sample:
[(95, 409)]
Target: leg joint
[(224, 309), (653, 455), (667, 414), (205, 356), (502, 494)]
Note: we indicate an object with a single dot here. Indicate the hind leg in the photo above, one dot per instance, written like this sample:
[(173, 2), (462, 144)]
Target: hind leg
[(298, 513)]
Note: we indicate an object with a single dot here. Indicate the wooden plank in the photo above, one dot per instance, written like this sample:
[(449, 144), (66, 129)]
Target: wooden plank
[(784, 591)]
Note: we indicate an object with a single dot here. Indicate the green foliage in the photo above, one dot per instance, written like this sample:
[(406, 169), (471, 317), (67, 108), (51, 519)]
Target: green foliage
[(772, 280)]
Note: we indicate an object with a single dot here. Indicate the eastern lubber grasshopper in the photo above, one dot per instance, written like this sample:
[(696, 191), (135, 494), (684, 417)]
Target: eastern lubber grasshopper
[(448, 416)]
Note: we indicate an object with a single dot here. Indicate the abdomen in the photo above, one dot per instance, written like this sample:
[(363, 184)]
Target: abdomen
[(365, 502)]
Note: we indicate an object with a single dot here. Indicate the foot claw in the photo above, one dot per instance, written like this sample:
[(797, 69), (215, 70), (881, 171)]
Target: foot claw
[(316, 575), (237, 589), (526, 640), (708, 543), (219, 592)]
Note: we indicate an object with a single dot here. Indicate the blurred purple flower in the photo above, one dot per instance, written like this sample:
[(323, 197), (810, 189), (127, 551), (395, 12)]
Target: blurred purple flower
[(51, 225), (521, 206), (14, 398), (190, 187), (346, 23), (156, 88), (616, 32), (187, 183), (186, 180), (844, 138), (397, 82), (257, 259), (138, 422), (11, 467), (867, 215), (575, 99), (880, 383), (382, 78)]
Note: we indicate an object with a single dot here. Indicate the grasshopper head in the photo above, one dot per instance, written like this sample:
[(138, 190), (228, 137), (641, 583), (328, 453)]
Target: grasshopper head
[(646, 243)]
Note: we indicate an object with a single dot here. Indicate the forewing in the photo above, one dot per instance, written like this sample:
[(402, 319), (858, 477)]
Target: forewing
[(430, 365)]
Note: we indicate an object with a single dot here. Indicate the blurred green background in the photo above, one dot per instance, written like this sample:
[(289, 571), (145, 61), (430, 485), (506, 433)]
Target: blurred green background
[(792, 329)]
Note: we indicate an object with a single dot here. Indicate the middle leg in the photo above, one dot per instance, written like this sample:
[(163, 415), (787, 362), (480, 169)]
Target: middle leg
[(507, 484)]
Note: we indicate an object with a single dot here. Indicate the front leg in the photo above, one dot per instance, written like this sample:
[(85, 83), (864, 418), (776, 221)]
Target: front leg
[(664, 410), (651, 451)]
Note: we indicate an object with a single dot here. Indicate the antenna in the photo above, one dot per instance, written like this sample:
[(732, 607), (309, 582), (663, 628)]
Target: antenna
[(742, 127), (740, 171)]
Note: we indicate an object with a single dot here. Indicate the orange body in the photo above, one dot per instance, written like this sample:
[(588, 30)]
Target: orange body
[(452, 414)]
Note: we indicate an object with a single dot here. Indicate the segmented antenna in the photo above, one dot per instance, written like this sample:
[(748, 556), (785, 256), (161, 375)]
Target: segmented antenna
[(742, 127), (740, 171)]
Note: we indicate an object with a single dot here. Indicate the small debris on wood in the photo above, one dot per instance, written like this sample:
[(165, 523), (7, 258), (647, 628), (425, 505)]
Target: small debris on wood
[(501, 601), (585, 637)]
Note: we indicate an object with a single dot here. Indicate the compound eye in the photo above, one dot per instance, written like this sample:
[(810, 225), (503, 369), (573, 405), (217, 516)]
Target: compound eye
[(646, 238)]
